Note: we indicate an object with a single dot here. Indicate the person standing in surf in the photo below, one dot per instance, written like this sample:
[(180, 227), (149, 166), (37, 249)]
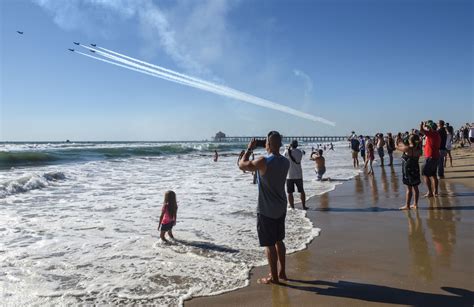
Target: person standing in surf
[(295, 174), (169, 212), (272, 203)]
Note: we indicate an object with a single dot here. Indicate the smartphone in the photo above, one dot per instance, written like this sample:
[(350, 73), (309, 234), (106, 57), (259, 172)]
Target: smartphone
[(261, 143)]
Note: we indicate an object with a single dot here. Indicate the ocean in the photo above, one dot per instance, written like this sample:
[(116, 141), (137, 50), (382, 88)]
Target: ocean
[(78, 221)]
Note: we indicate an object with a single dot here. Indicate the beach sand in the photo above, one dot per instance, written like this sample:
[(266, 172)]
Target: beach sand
[(371, 254)]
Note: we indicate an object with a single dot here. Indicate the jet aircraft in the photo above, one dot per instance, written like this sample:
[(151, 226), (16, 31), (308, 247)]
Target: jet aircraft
[(76, 43), (93, 45), (19, 32), (70, 49)]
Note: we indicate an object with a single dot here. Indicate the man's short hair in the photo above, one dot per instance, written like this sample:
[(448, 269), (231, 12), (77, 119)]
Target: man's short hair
[(294, 143), (320, 152), (274, 136)]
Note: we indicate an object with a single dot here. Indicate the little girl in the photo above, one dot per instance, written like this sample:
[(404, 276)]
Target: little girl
[(168, 215), (370, 157)]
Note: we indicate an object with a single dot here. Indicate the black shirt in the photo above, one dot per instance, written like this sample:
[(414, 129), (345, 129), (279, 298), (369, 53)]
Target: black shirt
[(443, 135)]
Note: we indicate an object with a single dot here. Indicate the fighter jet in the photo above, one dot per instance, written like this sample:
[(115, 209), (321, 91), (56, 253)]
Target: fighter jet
[(93, 51), (19, 32), (70, 49), (93, 45), (76, 43)]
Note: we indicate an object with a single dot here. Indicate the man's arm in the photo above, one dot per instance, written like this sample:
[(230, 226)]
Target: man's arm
[(422, 128), (254, 165)]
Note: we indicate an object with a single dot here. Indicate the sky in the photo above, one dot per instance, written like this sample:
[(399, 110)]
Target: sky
[(367, 65)]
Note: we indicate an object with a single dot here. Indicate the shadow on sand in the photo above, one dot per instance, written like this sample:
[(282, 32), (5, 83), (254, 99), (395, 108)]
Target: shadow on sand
[(384, 294)]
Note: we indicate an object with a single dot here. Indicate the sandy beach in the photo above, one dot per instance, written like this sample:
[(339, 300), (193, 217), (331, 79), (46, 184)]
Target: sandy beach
[(371, 254)]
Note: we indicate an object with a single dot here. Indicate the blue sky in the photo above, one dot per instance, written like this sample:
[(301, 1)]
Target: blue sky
[(370, 66)]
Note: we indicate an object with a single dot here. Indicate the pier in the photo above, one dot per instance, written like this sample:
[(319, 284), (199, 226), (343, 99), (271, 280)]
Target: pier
[(286, 139)]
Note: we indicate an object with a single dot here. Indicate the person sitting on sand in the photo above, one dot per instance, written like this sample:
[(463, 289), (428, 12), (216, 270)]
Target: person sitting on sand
[(272, 203), (320, 167), (169, 212), (410, 168), (431, 151)]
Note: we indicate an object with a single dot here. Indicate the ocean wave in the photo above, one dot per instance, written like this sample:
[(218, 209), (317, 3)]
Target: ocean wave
[(21, 156), (28, 183)]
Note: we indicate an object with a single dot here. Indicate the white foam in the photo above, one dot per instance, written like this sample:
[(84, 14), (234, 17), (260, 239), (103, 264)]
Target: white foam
[(92, 238)]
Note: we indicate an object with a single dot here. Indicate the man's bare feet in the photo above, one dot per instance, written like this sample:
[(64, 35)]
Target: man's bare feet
[(427, 195), (414, 206), (267, 281), (405, 207), (282, 276)]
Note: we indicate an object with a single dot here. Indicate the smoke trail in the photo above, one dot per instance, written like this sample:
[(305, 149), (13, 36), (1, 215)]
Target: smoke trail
[(170, 75), (128, 67), (242, 96)]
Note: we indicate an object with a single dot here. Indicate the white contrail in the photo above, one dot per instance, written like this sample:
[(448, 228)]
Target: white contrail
[(128, 67), (170, 75), (242, 96)]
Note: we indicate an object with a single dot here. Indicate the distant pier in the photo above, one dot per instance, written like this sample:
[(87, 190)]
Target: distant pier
[(286, 139)]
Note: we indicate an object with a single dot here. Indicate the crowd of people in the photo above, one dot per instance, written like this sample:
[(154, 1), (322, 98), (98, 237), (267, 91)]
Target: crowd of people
[(432, 140), (275, 171)]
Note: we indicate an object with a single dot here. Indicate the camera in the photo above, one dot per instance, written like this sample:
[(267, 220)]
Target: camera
[(260, 143)]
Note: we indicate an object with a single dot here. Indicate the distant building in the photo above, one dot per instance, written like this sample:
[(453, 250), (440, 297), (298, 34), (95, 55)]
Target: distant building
[(219, 136)]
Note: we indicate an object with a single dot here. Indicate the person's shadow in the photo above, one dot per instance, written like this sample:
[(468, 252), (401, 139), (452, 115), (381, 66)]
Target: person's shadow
[(384, 294)]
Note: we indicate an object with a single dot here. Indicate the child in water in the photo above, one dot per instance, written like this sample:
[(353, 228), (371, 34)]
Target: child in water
[(169, 212)]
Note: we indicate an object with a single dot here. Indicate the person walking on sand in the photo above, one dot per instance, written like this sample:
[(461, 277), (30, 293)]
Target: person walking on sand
[(410, 169), (431, 151), (442, 147), (272, 203), (320, 167), (169, 212), (390, 148), (380, 142), (449, 145), (295, 174)]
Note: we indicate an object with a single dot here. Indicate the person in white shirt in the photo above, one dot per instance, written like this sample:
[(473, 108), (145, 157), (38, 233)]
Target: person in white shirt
[(295, 174)]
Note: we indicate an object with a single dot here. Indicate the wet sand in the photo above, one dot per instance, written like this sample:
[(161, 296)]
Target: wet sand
[(371, 254)]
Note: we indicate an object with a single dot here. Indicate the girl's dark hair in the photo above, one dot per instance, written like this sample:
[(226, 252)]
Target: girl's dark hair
[(170, 200)]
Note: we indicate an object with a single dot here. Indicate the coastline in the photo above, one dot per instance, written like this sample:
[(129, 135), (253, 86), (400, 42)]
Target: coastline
[(362, 256)]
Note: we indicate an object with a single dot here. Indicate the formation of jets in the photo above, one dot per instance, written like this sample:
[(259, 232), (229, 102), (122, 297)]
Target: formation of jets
[(70, 49)]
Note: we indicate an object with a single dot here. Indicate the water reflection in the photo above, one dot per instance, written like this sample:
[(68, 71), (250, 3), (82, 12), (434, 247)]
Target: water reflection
[(418, 246), (373, 188), (324, 201), (383, 176), (394, 181), (442, 224), (280, 296)]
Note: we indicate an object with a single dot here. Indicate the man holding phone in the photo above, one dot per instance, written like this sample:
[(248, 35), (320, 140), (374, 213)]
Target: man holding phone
[(295, 174), (271, 206)]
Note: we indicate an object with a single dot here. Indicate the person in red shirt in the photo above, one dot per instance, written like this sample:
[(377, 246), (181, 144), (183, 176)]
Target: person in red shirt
[(431, 150)]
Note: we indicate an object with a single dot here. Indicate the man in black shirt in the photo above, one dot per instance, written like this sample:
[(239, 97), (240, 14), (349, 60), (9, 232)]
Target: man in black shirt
[(442, 148)]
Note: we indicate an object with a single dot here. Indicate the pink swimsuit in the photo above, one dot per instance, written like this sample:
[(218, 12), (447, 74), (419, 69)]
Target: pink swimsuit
[(166, 217)]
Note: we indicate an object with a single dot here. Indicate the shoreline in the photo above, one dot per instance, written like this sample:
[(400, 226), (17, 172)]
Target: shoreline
[(340, 260)]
